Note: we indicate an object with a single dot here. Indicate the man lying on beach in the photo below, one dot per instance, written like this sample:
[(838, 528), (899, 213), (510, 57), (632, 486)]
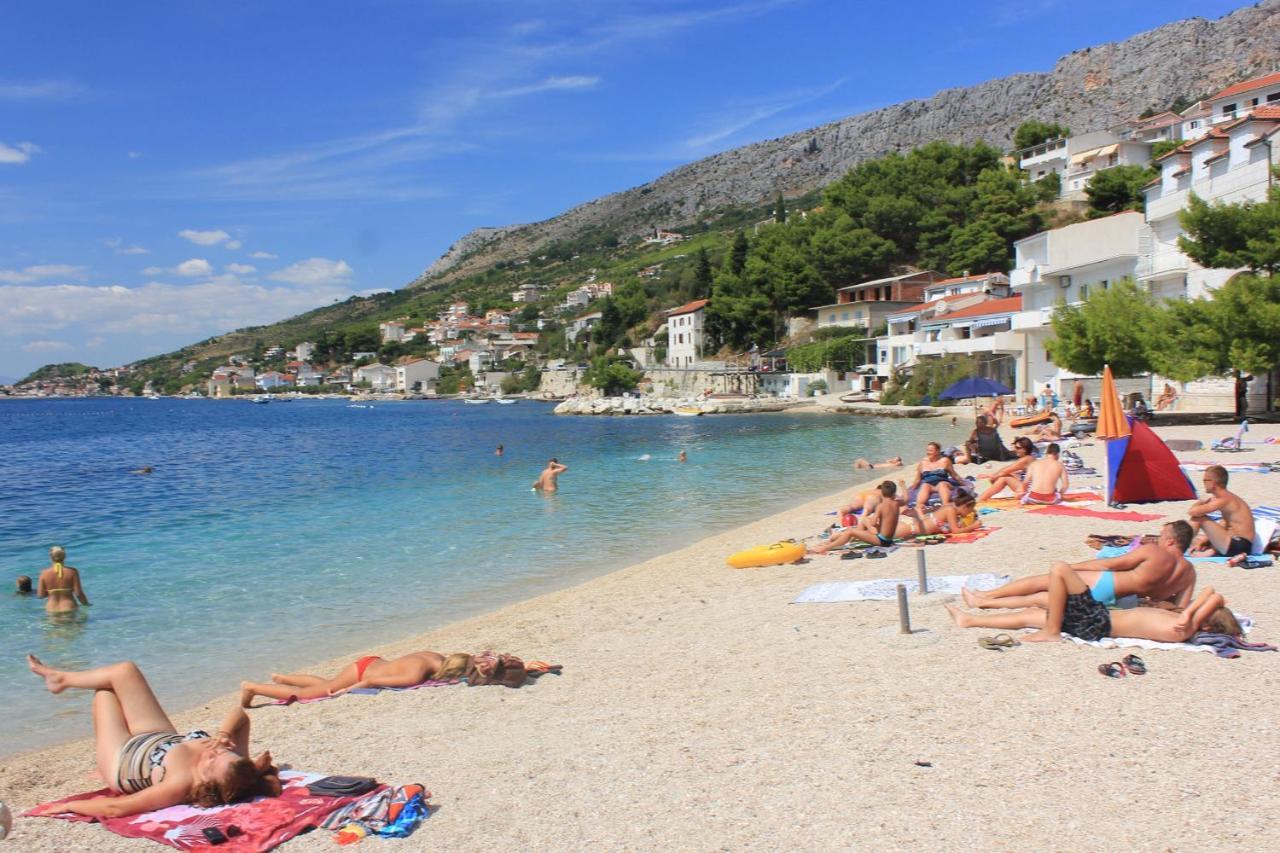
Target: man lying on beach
[(891, 462), (1046, 480), (1073, 610), (1157, 571), (547, 479), (877, 527), (1231, 537)]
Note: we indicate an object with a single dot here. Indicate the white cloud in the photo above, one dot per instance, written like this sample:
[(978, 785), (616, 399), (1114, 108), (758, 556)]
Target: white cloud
[(19, 152), (47, 346), (39, 272), (551, 84), (134, 155), (314, 272), (45, 90), (117, 245), (234, 244), (190, 269), (240, 269), (263, 256), (204, 238)]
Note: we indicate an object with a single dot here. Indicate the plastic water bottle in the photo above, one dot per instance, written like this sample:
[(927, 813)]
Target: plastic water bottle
[(6, 821)]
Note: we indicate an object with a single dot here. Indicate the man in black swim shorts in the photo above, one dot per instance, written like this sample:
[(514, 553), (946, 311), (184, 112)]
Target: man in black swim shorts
[(1229, 537)]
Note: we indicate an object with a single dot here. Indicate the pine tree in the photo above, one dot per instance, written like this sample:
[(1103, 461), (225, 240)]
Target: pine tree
[(780, 210)]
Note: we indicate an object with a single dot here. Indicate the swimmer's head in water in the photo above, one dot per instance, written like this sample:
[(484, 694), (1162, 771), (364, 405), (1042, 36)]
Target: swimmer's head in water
[(58, 554), (24, 584)]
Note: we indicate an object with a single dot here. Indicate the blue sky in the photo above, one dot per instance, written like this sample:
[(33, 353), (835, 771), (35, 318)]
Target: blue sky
[(170, 171)]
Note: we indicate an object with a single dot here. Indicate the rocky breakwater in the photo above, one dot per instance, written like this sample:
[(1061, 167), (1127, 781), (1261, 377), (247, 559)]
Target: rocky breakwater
[(671, 405)]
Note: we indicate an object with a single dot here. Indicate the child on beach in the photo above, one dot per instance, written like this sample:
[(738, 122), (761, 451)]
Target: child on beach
[(60, 584), (142, 757)]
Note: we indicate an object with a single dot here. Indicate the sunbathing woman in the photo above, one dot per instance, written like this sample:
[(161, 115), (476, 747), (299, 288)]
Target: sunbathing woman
[(144, 759), (60, 584), (369, 671), (960, 517), (1073, 610), (1012, 475), (891, 462), (933, 473)]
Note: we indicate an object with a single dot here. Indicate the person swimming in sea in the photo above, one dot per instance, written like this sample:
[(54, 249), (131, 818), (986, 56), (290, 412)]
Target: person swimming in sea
[(865, 464), (145, 469), (546, 481), (60, 584), (499, 451), (23, 585), (682, 457)]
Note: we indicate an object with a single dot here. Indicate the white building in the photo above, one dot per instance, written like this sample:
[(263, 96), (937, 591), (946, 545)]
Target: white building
[(304, 351), (867, 304), (308, 375), (1233, 102), (580, 325), (685, 335), (1064, 266), (379, 376), (526, 294), (1077, 159), (1228, 164), (391, 331), (416, 375)]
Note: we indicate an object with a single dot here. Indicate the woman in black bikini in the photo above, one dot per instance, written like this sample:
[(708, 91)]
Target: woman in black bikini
[(144, 759), (933, 473)]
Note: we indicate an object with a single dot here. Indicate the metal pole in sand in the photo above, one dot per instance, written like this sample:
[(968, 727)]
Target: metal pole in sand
[(904, 616), (922, 576)]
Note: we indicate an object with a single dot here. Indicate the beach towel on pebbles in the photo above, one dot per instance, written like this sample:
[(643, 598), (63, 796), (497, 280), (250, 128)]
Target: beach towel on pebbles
[(886, 589), (264, 823), (364, 691)]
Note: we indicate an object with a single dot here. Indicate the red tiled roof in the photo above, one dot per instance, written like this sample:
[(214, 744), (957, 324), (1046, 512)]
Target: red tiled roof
[(918, 308), (1007, 305), (688, 307), (1268, 112), (1216, 157), (1248, 86), (959, 278)]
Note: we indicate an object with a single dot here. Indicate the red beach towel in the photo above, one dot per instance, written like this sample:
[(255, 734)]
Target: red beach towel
[(265, 823), (1015, 503), (971, 536), (1082, 512)]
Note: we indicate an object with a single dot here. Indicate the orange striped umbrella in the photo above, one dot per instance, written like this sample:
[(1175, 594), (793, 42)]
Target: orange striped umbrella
[(1111, 420)]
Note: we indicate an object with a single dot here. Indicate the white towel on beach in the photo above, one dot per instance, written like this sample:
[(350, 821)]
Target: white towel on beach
[(886, 589)]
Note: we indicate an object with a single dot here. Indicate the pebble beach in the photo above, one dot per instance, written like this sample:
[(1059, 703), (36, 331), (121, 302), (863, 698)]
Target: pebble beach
[(699, 709)]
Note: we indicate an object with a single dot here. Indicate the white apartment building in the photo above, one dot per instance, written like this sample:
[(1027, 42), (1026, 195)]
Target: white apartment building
[(1233, 102), (1230, 163), (304, 351), (379, 376), (1064, 266), (581, 324), (1076, 159), (391, 332), (685, 335), (416, 375)]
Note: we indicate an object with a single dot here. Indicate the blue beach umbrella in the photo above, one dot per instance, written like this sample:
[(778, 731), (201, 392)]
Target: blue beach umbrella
[(975, 386)]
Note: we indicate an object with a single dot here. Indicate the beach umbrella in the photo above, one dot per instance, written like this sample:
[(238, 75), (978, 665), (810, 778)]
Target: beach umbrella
[(975, 386), (1112, 422)]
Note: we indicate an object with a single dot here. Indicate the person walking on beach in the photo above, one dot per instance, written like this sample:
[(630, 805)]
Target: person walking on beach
[(60, 584), (144, 759), (1234, 534), (546, 481), (1157, 571)]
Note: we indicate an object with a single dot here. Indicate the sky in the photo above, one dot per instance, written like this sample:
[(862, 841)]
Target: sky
[(171, 171)]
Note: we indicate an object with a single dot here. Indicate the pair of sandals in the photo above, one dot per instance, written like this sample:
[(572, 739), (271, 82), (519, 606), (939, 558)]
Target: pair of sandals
[(872, 553), (1129, 665), (998, 643)]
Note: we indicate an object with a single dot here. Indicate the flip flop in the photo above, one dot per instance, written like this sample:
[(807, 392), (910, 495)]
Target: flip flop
[(876, 553), (1134, 665), (1111, 670), (998, 643), (851, 555)]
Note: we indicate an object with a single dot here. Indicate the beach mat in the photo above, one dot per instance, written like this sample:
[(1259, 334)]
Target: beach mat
[(1246, 623), (1069, 497), (886, 589), (1082, 512), (362, 691), (1231, 467), (265, 822), (971, 536)]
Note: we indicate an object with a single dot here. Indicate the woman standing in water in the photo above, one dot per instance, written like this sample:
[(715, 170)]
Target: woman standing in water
[(60, 584)]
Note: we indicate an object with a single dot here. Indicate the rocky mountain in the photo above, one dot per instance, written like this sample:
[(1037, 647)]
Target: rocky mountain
[(1089, 89)]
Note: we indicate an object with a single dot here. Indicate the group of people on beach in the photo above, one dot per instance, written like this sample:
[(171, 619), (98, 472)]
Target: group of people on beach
[(1147, 592)]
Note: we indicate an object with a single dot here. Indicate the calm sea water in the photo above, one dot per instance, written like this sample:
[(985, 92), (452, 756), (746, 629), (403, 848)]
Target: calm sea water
[(273, 536)]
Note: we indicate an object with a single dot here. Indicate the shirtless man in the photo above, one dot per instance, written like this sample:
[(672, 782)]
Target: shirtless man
[(1046, 480), (1158, 571), (547, 479), (1234, 534), (891, 462), (878, 524)]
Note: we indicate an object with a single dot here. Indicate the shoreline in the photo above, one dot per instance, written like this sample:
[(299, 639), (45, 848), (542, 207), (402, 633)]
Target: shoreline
[(699, 709)]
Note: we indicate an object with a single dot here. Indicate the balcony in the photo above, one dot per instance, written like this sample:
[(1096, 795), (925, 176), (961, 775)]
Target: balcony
[(1163, 264), (1025, 321)]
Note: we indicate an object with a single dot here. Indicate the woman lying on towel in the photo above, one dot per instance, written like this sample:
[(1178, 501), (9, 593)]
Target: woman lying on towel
[(144, 759), (407, 671), (960, 517), (1073, 610)]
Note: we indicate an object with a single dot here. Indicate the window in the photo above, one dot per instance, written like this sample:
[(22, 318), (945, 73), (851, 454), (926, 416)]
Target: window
[(1104, 284), (1273, 97), (1228, 109), (844, 316), (1084, 292)]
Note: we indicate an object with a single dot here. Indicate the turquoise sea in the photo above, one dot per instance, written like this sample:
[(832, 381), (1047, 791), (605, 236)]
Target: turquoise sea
[(275, 536)]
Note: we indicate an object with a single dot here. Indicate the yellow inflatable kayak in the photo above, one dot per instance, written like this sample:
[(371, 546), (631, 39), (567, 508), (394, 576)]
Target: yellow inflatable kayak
[(767, 555)]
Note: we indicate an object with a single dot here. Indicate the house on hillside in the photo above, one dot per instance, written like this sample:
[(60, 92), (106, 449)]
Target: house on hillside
[(685, 333), (869, 303), (391, 331), (1076, 159), (272, 379), (379, 376), (580, 325), (1160, 127), (1234, 102), (526, 293), (308, 375), (416, 375), (304, 351)]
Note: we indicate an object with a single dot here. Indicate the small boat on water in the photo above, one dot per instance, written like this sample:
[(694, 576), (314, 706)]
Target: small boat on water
[(261, 399), (505, 401), (688, 411), (475, 401)]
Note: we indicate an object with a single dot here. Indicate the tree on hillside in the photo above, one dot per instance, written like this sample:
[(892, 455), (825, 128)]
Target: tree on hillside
[(843, 254), (1229, 236), (702, 275), (612, 375), (1033, 132), (780, 210), (737, 258), (1117, 189), (1111, 327)]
